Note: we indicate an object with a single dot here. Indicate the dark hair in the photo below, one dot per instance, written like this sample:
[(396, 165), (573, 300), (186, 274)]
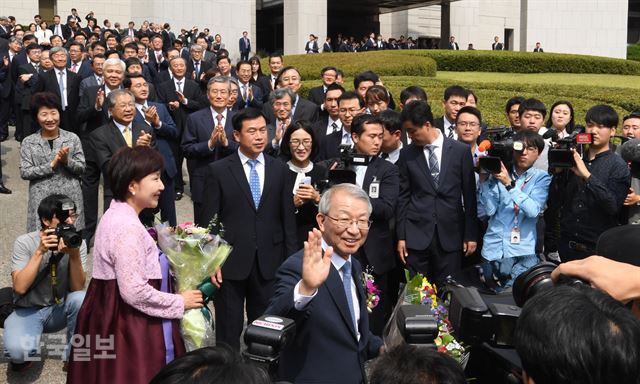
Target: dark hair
[(357, 126), (593, 338), (132, 164), (455, 90), (126, 83), (112, 52), (529, 138), (285, 69), (98, 43), (412, 91), (390, 120), (377, 93), (131, 45), (365, 76), (516, 100), (348, 95), (602, 114), (326, 69), (256, 59), (246, 114), (219, 364), (532, 105), (31, 47), (272, 56), (334, 87), (133, 61), (471, 93), (469, 109), (571, 123), (305, 126), (242, 62), (339, 73), (98, 56), (417, 112), (220, 58), (75, 44), (409, 364), (632, 115), (49, 206), (44, 99)]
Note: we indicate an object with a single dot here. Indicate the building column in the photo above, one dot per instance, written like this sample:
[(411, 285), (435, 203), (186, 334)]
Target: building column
[(445, 25), (302, 18)]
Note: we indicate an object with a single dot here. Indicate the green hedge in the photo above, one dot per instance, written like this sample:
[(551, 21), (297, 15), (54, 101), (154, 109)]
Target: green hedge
[(633, 52), (526, 62), (385, 63)]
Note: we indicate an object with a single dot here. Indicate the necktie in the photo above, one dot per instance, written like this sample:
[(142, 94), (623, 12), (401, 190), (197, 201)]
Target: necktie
[(451, 128), (74, 68), (63, 94), (346, 283), (254, 182), (179, 86), (197, 70), (244, 92), (434, 167), (37, 67), (127, 137), (335, 127), (384, 155), (219, 118)]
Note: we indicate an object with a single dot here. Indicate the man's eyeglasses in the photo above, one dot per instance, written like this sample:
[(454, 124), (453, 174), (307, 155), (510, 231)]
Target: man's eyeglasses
[(343, 223)]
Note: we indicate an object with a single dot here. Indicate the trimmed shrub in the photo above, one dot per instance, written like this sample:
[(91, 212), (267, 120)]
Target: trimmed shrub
[(384, 63), (526, 62), (633, 52)]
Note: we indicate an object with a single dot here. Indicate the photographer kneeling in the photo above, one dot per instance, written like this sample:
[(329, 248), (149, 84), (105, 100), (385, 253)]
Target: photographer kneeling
[(513, 199), (48, 280)]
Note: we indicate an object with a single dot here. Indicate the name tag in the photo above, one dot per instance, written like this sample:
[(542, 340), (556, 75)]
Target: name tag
[(374, 189), (515, 236)]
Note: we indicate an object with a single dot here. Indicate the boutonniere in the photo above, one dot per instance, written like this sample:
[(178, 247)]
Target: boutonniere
[(373, 293)]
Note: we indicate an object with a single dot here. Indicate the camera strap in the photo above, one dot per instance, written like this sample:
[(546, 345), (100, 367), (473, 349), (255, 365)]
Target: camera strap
[(53, 261)]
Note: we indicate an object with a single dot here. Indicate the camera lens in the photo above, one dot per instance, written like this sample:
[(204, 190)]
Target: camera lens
[(536, 279)]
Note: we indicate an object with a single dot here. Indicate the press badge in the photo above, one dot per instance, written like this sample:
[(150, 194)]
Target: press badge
[(374, 189), (515, 236)]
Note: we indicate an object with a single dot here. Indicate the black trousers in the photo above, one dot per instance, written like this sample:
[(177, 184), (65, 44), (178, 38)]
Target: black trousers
[(167, 202), (434, 262), (6, 106), (178, 179), (90, 186), (229, 304)]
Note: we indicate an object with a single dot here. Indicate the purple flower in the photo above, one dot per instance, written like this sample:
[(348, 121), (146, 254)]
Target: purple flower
[(153, 233)]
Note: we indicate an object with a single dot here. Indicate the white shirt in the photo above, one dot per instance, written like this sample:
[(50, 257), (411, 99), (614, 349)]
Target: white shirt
[(447, 124), (360, 170), (395, 155), (247, 168), (146, 105), (300, 301), (438, 143), (181, 87), (122, 127), (330, 121), (346, 137)]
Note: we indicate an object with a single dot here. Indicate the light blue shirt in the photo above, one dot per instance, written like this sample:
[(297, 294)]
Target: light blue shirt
[(530, 194)]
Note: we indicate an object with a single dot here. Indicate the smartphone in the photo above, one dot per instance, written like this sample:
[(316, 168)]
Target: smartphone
[(306, 180)]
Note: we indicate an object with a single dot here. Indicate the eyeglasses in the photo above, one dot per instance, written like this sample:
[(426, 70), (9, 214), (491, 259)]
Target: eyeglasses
[(344, 223), (351, 111), (464, 124), (295, 143)]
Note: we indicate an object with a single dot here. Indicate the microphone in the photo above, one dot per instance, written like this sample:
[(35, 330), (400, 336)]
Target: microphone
[(481, 151), (630, 151)]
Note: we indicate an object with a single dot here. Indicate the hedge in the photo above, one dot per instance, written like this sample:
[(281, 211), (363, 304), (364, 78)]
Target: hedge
[(633, 52), (385, 63), (526, 62)]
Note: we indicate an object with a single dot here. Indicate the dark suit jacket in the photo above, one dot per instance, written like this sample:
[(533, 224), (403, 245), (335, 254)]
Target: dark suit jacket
[(305, 110), (266, 235), (320, 127), (244, 47), (195, 100), (84, 71), (454, 46), (421, 206), (264, 83), (325, 348), (497, 46), (326, 48), (167, 132), (204, 67), (66, 31), (25, 90), (195, 145), (311, 47), (379, 247), (330, 146), (49, 83), (87, 113), (371, 45), (254, 102), (316, 95)]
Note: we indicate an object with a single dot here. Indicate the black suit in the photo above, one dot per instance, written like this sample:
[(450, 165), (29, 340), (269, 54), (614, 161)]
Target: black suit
[(49, 83), (454, 46), (6, 96), (432, 220), (330, 146), (64, 29), (204, 67), (305, 110), (497, 46), (261, 238), (255, 101), (24, 91), (326, 48), (317, 95), (84, 70)]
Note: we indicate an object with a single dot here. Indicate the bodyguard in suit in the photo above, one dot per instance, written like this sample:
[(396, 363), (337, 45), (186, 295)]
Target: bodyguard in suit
[(320, 287), (250, 95), (208, 136), (455, 97), (436, 177), (316, 94), (247, 190), (182, 96), (329, 119), (452, 44), (156, 118), (302, 109), (350, 105), (66, 85), (245, 46), (25, 87)]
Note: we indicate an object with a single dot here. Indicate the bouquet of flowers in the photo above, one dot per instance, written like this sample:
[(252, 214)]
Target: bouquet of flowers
[(373, 293), (194, 254)]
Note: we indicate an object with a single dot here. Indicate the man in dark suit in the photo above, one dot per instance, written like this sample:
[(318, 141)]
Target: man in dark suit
[(372, 43), (321, 289), (452, 44), (538, 48), (25, 87), (119, 132), (392, 141), (3, 75), (249, 94), (497, 45), (59, 78), (167, 37), (196, 67), (350, 105), (312, 45), (182, 96), (5, 27), (208, 136), (329, 119), (316, 94), (455, 97), (245, 46), (302, 109), (436, 178), (247, 191), (96, 78), (327, 48), (60, 29), (155, 117), (7, 91), (156, 54), (282, 101), (77, 63)]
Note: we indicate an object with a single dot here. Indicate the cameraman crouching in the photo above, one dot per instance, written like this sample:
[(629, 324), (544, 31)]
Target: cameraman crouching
[(513, 199), (48, 280)]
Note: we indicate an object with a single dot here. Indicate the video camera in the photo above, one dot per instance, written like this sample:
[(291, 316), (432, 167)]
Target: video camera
[(265, 338), (64, 231), (499, 147), (343, 172), (561, 154)]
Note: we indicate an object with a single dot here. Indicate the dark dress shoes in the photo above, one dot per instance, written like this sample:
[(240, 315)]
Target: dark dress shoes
[(4, 190), (178, 196)]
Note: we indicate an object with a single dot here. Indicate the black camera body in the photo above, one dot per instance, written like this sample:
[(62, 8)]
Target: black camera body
[(501, 150), (343, 172), (561, 154), (69, 234), (265, 338)]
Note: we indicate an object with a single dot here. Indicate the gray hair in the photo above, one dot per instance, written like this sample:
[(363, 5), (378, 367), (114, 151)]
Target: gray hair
[(350, 189), (233, 80), (114, 95), (114, 61), (220, 79), (280, 93), (178, 58), (196, 47), (14, 39), (55, 50)]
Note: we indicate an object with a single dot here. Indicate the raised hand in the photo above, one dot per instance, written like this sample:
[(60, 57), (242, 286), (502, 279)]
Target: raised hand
[(151, 115), (315, 265), (144, 139), (99, 98)]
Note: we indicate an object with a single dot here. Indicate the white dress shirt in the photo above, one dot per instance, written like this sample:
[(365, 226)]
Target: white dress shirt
[(447, 124), (330, 122), (247, 168), (122, 128), (437, 145), (346, 137)]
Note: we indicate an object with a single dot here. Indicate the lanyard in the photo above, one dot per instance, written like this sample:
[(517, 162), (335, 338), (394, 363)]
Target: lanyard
[(516, 208)]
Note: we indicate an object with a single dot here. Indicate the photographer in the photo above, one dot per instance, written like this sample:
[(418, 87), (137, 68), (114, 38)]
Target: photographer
[(513, 199), (48, 279), (591, 193)]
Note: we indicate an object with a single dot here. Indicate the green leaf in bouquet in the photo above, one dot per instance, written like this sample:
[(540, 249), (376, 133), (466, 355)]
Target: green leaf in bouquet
[(194, 326), (414, 285)]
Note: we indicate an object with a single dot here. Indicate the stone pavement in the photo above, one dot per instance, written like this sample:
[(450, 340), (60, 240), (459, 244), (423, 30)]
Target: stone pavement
[(13, 216)]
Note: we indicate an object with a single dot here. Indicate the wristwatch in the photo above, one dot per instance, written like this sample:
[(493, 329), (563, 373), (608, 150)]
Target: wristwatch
[(510, 186)]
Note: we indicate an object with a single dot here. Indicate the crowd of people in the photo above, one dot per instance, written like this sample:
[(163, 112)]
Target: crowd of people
[(304, 215)]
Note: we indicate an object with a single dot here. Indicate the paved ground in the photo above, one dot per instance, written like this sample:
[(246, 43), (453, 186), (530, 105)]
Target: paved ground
[(13, 210)]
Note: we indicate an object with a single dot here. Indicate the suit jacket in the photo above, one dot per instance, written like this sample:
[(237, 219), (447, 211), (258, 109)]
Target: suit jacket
[(330, 146), (244, 47), (25, 90), (204, 67), (64, 29), (320, 127), (255, 102), (166, 133), (195, 145), (195, 101), (265, 86), (86, 83), (84, 71), (421, 206), (538, 50), (87, 113), (326, 48), (497, 46), (311, 47), (305, 110), (49, 83), (371, 45), (6, 85), (266, 235), (316, 95), (379, 248), (325, 348), (454, 46)]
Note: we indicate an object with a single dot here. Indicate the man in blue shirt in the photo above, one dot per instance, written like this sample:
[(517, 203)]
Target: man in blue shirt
[(513, 199)]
